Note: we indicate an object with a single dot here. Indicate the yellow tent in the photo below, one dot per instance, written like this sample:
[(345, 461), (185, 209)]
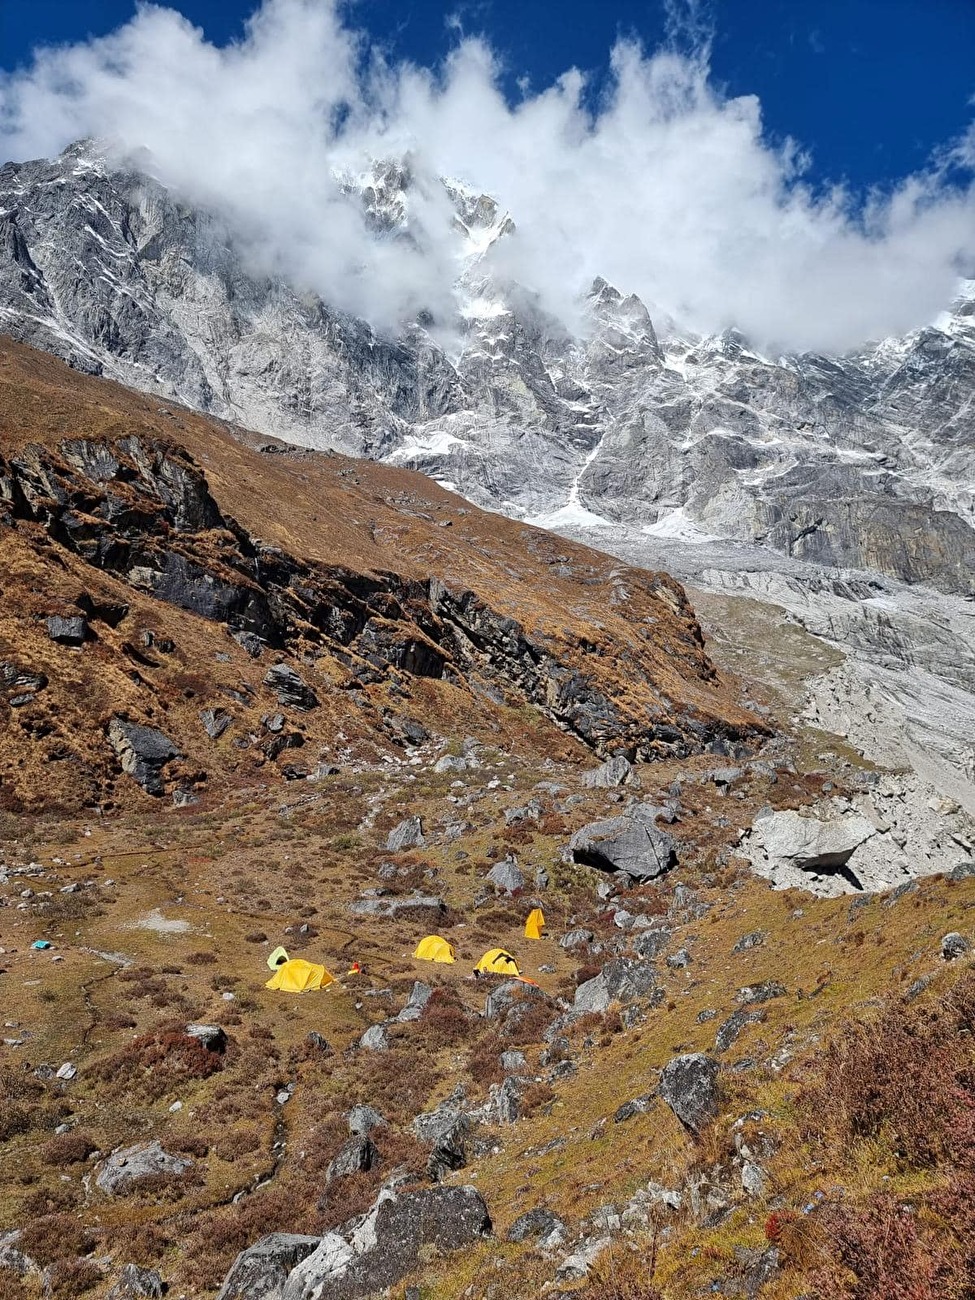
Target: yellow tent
[(535, 924), (433, 948), (277, 958), (498, 962), (297, 976)]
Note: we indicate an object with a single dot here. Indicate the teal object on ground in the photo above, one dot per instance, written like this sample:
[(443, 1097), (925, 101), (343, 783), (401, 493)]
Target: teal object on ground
[(40, 943)]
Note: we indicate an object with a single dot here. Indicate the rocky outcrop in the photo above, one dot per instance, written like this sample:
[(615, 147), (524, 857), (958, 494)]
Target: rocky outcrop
[(374, 1253)]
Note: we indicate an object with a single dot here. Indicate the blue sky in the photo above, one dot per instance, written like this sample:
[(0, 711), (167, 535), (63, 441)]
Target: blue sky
[(869, 87)]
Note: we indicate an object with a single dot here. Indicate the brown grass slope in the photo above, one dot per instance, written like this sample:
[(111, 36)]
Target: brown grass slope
[(393, 598)]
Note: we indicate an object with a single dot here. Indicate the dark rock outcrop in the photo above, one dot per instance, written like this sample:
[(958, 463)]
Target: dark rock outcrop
[(142, 751), (689, 1086)]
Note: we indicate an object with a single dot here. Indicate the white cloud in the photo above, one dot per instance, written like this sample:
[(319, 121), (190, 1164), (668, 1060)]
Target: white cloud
[(669, 189)]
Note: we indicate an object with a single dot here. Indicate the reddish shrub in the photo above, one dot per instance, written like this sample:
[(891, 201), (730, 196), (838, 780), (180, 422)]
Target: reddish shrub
[(68, 1149)]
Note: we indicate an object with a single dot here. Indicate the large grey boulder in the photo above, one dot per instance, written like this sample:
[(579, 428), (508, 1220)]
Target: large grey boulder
[(689, 1086), (631, 843), (389, 1242), (291, 691), (407, 835), (260, 1271), (145, 1159), (813, 844), (142, 751)]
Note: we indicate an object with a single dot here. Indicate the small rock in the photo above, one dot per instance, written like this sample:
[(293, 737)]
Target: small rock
[(420, 995), (546, 1228), (752, 940), (638, 1106), (363, 1119), (375, 1039), (213, 1037), (67, 1071), (72, 630), (407, 835), (614, 772), (137, 1283), (127, 1164), (291, 691), (576, 939), (954, 945), (752, 993), (450, 763), (356, 1156), (215, 722), (506, 877)]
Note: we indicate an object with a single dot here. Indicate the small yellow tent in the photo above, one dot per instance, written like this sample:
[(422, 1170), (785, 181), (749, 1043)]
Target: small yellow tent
[(535, 924), (433, 948), (498, 962), (297, 976), (277, 958)]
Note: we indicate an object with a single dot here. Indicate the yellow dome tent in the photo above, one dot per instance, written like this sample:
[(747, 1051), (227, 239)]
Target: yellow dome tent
[(498, 962), (535, 924), (297, 976), (277, 958), (433, 948)]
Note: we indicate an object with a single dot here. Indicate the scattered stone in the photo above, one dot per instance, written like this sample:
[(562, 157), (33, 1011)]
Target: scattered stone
[(547, 1229), (450, 763), (144, 1159), (391, 909), (530, 812), (541, 878), (509, 995), (637, 1106), (754, 939), (273, 722), (576, 939), (356, 1156), (318, 1041), (213, 1037), (513, 1061), (407, 835), (732, 1028), (137, 1283), (72, 630), (752, 993), (651, 943), (614, 772), (67, 1071), (689, 1086), (375, 1039), (622, 980), (506, 877), (679, 960), (290, 689), (420, 995), (215, 722), (954, 945), (363, 1119)]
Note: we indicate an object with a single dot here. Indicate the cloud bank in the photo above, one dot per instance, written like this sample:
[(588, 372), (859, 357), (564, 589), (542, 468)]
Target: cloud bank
[(667, 188)]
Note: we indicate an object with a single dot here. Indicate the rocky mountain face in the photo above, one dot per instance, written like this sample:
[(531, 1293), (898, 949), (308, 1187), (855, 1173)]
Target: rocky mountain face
[(863, 461), (157, 605), (840, 488)]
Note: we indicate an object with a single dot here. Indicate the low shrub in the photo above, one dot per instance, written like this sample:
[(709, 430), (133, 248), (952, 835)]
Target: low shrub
[(68, 1149)]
